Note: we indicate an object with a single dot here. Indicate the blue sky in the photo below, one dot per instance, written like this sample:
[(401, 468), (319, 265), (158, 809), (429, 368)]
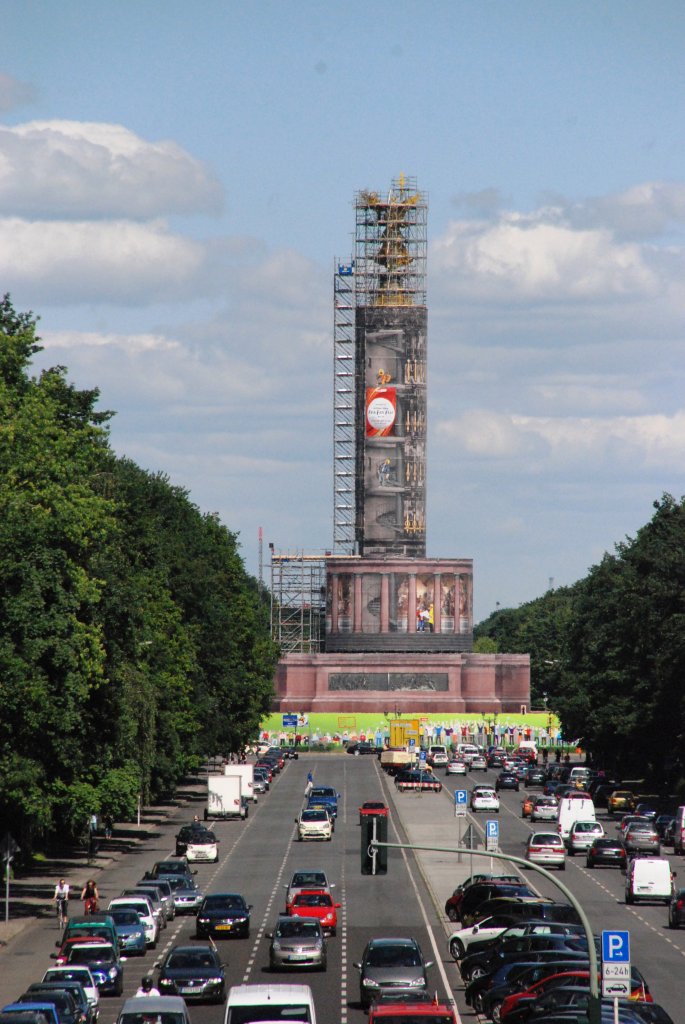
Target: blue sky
[(176, 180)]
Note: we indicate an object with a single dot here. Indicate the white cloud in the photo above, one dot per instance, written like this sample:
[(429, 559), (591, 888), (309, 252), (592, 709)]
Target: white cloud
[(634, 441), (95, 261), (58, 169)]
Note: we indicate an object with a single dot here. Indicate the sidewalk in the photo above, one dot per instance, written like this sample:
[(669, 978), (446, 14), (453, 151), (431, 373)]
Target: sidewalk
[(31, 891)]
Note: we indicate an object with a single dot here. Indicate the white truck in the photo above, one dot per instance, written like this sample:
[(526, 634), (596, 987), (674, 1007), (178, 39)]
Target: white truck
[(225, 797), (246, 773)]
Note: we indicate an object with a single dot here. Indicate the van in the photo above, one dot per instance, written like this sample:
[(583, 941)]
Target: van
[(679, 832), (572, 810), (247, 1003), (649, 878)]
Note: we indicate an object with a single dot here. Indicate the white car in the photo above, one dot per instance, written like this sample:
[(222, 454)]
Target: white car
[(456, 767), (314, 824), (80, 973), (582, 836), (546, 849), (203, 847), (143, 908), (479, 763), (484, 798), (545, 808), (487, 929)]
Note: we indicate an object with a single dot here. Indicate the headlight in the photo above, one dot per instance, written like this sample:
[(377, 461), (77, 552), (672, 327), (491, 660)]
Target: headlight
[(165, 981), (138, 935), (369, 983), (203, 920), (112, 973), (214, 981), (416, 982), (239, 920), (328, 917)]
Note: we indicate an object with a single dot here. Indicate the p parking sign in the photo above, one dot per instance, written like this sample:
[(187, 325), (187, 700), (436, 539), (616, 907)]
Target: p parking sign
[(616, 964)]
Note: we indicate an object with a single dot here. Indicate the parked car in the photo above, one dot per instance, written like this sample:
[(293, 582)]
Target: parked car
[(395, 963), (223, 914), (546, 849), (676, 909), (452, 903), (478, 894), (194, 972), (297, 942)]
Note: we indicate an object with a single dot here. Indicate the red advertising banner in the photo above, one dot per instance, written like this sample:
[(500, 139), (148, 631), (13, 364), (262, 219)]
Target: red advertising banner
[(381, 411)]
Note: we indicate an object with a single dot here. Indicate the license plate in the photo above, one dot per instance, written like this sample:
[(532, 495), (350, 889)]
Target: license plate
[(223, 927), (297, 956), (188, 991)]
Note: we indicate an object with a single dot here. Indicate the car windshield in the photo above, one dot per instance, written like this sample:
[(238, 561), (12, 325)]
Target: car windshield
[(181, 882), (125, 917), (202, 838), (300, 929), (314, 816), (304, 878), (64, 974), (191, 958), (224, 903), (152, 1018), (545, 839), (91, 955), (393, 956), (316, 899)]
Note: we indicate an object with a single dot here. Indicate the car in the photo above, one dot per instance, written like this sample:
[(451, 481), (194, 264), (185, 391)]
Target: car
[(68, 997), (199, 845), (157, 1009), (258, 783), (485, 929), (395, 963), (642, 838), (102, 959), (314, 824), (621, 801), (327, 796), (507, 780), (545, 808), (373, 809), (413, 1010), (582, 836), (527, 805), (319, 904), (557, 978), (168, 868), (309, 879), (26, 1012), (297, 942), (99, 925), (647, 810), (606, 851), (437, 756), (318, 804), (535, 777), (223, 914), (361, 748), (62, 955), (290, 752), (547, 849), (77, 973), (484, 798), (676, 909), (158, 907), (452, 903), (662, 824), (164, 892), (187, 896), (631, 819), (456, 766), (193, 972), (478, 895), (142, 906), (479, 763), (130, 932)]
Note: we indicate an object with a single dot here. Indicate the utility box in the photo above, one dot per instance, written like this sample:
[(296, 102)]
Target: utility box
[(367, 831)]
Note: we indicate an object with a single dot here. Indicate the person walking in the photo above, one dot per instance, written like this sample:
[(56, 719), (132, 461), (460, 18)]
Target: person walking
[(310, 784)]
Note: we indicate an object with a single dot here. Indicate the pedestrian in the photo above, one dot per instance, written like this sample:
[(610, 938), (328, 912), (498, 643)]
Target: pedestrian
[(109, 826), (310, 784)]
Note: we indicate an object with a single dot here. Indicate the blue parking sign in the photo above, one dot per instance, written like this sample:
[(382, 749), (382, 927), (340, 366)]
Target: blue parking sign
[(492, 830), (616, 947), (460, 796)]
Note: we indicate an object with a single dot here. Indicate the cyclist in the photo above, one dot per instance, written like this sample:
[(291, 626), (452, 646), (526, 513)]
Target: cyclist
[(90, 897), (61, 899), (147, 988)]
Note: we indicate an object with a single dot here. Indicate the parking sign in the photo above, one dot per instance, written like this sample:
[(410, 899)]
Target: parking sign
[(460, 802), (616, 964), (491, 835)]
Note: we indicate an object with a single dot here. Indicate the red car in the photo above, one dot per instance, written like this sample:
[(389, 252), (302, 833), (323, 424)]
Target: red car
[(319, 904), (373, 809), (640, 991), (62, 956)]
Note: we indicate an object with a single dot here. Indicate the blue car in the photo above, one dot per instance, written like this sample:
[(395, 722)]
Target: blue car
[(45, 1011), (130, 932)]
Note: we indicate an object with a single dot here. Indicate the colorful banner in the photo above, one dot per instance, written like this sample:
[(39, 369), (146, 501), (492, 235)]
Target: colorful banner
[(381, 411)]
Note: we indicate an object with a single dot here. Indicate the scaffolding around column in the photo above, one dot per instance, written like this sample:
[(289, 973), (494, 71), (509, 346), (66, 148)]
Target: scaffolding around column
[(344, 398), (298, 602)]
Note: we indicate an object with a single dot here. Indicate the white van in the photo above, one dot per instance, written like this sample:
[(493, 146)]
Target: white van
[(649, 878), (270, 1003), (571, 810)]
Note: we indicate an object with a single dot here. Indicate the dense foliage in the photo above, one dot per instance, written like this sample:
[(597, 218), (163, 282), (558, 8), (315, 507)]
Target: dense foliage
[(132, 641), (610, 651)]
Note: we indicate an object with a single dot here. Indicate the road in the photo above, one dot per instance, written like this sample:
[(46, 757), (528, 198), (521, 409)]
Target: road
[(258, 856)]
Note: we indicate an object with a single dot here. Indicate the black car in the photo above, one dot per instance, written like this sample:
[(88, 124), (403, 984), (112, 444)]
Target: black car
[(676, 909), (517, 948), (64, 1003), (507, 780), (193, 972), (84, 1010), (535, 777), (516, 977), (222, 915), (523, 908), (481, 892), (515, 930), (192, 834), (361, 748), (606, 851), (478, 991)]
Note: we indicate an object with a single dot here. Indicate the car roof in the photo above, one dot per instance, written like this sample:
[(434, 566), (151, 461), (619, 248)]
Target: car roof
[(154, 1004)]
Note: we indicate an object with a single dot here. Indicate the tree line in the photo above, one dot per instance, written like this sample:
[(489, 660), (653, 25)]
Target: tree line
[(133, 643), (608, 653)]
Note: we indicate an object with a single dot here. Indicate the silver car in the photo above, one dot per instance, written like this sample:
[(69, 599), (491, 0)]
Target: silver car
[(391, 964), (297, 942)]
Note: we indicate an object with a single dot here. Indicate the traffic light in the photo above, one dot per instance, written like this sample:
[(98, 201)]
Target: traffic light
[(381, 835)]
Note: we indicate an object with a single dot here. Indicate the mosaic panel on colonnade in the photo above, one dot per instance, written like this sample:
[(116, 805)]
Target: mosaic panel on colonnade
[(387, 681)]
